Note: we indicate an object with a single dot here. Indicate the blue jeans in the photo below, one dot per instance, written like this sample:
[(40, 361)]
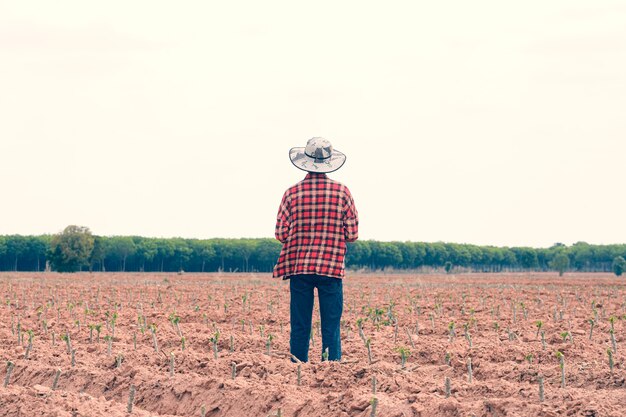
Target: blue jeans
[(330, 294)]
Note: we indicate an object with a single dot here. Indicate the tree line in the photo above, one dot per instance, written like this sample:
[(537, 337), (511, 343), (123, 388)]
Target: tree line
[(76, 249)]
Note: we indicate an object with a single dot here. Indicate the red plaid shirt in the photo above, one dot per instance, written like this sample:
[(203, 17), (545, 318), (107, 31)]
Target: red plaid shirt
[(316, 218)]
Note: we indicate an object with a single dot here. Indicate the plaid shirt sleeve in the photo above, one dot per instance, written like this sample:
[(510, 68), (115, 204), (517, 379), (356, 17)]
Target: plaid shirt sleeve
[(282, 219), (350, 218)]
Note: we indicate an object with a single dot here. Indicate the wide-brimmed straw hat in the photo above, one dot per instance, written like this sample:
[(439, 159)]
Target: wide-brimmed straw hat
[(317, 156)]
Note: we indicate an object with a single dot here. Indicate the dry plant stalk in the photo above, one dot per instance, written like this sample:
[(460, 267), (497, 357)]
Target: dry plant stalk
[(10, 366), (131, 399)]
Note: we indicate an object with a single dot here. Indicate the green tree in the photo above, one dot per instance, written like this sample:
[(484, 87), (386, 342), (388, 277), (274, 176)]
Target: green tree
[(37, 247), (619, 265), (246, 248), (71, 249), (582, 255), (386, 254), (526, 257), (205, 251), (122, 247), (225, 250), (358, 253), (3, 248), (182, 252), (99, 252), (436, 254), (266, 254), (165, 249), (146, 251), (16, 246), (560, 263)]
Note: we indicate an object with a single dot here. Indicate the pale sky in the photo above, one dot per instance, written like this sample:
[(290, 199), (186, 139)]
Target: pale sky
[(486, 122)]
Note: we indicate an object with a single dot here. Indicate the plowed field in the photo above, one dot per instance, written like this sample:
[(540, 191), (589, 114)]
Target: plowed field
[(440, 322)]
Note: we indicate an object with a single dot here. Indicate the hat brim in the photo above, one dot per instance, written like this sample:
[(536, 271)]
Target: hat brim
[(306, 163)]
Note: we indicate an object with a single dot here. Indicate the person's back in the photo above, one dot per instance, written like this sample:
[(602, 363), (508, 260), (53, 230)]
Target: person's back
[(316, 218)]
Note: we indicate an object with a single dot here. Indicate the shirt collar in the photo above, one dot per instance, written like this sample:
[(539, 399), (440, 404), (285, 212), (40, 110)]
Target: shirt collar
[(312, 175)]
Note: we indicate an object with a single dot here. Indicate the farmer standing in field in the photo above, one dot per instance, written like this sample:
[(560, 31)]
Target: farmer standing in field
[(316, 218)]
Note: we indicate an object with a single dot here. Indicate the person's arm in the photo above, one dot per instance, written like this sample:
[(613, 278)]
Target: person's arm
[(350, 219), (282, 220)]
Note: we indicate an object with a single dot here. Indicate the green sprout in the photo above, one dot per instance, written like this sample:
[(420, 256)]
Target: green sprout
[(404, 354)]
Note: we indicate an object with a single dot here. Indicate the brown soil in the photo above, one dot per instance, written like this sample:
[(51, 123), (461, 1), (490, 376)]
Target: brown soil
[(505, 382)]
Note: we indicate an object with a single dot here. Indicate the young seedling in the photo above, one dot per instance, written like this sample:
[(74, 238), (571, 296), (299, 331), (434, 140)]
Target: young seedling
[(214, 341), (98, 328), (68, 342), (325, 355), (268, 344), (109, 341), (368, 344), (153, 329), (171, 363), (233, 370), (174, 319), (408, 333), (512, 335), (448, 359), (359, 325), (131, 399), (113, 321), (244, 298), (10, 366), (610, 353), (561, 358), (395, 332), (467, 334), (524, 310), (592, 322), (613, 342), (55, 382), (447, 387), (564, 335), (404, 354), (543, 340), (541, 391), (452, 332), (182, 343), (374, 384), (374, 404), (73, 358), (232, 344), (27, 353), (539, 325)]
